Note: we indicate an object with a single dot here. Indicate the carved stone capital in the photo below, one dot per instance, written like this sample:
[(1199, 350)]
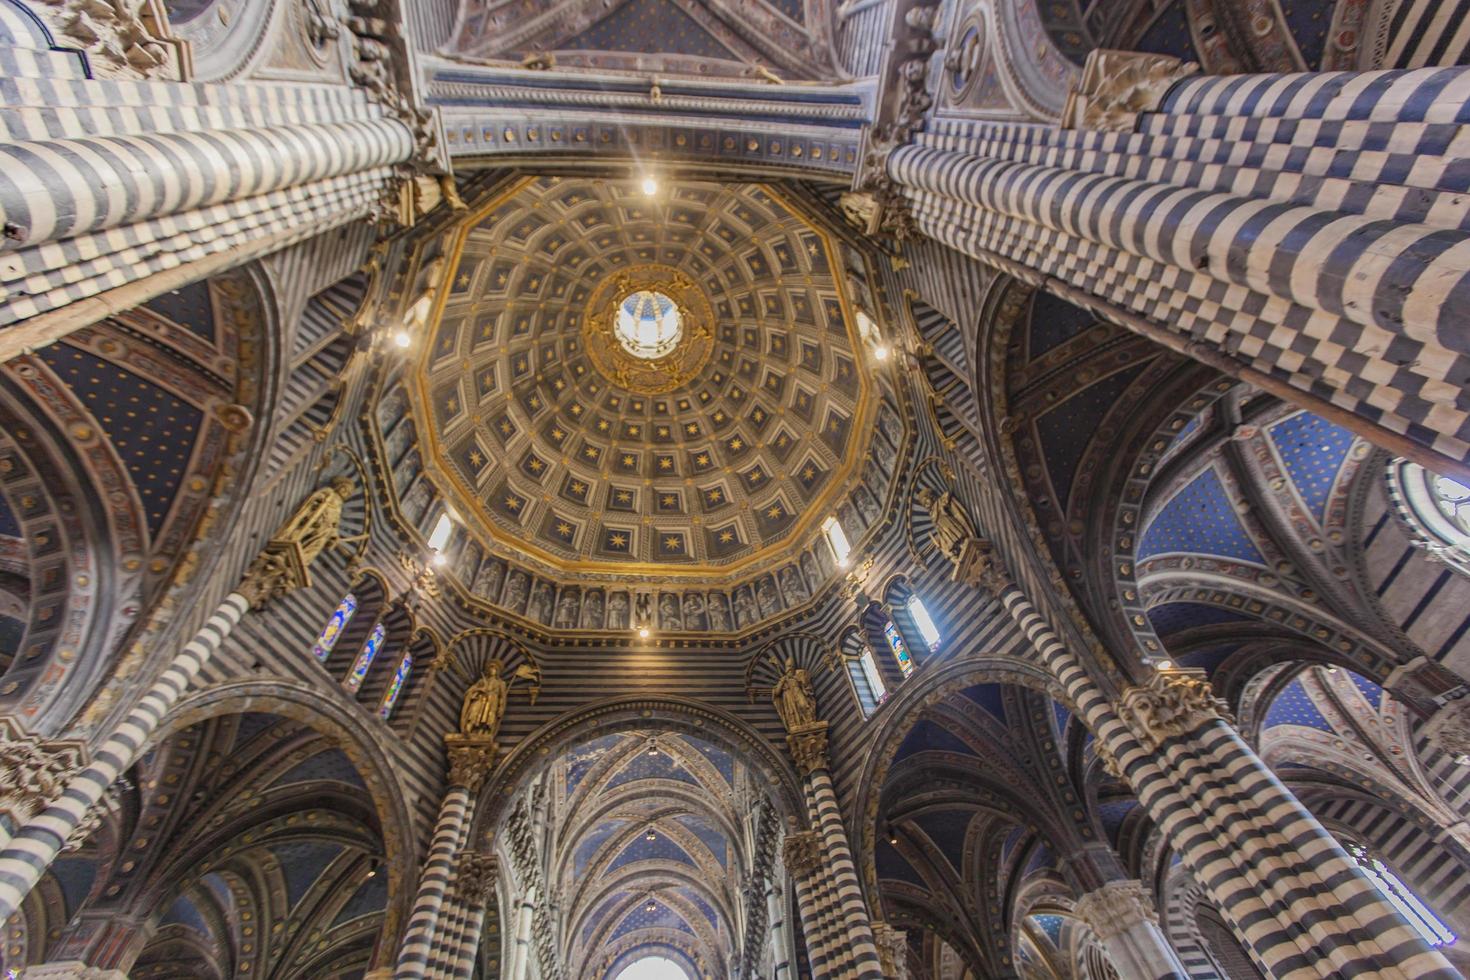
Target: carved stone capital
[(981, 566), (809, 747), (1449, 729), (34, 771), (119, 41), (470, 760), (1171, 704), (802, 853), (477, 876), (274, 572), (1115, 86), (1110, 762), (1116, 907), (893, 950)]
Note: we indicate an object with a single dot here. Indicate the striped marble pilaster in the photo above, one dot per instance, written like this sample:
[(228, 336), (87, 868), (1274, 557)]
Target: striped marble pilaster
[(424, 920), (1314, 228), (31, 851), (1283, 882), (462, 962), (802, 856), (860, 955), (825, 943), (446, 937)]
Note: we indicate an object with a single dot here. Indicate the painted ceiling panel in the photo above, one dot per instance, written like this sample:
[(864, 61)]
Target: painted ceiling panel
[(9, 526), (1175, 616), (712, 838), (947, 829), (990, 697), (890, 864), (1066, 431), (593, 840), (1293, 706), (649, 27), (662, 848), (1199, 519), (1053, 322), (302, 862), (152, 431), (1313, 450), (645, 766), (1209, 658), (331, 764), (928, 736), (662, 917), (371, 896), (188, 306)]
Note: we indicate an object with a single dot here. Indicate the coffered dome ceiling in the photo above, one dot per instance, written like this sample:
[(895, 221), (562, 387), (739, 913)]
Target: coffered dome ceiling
[(671, 388)]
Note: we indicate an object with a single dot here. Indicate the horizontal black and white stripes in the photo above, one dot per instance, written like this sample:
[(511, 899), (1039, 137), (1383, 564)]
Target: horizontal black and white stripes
[(1312, 226)]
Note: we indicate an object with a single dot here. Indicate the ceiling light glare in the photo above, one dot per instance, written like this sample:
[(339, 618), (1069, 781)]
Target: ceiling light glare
[(440, 560), (650, 187), (402, 339), (643, 632), (1165, 665), (881, 352)]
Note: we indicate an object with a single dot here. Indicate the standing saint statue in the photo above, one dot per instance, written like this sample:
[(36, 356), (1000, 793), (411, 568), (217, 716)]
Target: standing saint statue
[(484, 703), (952, 526), (795, 702), (314, 526)]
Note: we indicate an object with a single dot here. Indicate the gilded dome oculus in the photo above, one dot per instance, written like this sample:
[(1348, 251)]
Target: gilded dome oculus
[(648, 324)]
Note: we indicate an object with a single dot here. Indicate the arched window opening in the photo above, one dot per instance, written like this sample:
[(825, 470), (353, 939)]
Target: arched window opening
[(1430, 927), (653, 968), (364, 662), (332, 632), (924, 621), (1438, 508), (395, 687), (899, 649), (872, 681), (837, 539)]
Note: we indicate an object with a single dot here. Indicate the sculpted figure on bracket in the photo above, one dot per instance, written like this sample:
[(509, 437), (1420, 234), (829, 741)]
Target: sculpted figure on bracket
[(795, 701)]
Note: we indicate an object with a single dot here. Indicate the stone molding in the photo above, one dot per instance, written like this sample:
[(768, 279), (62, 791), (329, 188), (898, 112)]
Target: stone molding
[(893, 950), (1116, 907)]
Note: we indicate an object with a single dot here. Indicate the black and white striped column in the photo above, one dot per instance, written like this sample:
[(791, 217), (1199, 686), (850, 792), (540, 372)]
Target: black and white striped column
[(34, 846), (1310, 228), (857, 955), (1294, 898), (428, 906)]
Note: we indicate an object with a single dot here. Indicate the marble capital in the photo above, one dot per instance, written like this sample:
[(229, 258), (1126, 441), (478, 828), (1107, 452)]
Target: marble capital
[(802, 853), (1116, 907), (470, 760), (1171, 704), (809, 747)]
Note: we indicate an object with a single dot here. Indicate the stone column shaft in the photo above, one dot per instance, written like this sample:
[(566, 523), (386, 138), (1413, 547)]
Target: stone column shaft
[(31, 851), (1290, 892), (1227, 190), (424, 920), (1122, 916)]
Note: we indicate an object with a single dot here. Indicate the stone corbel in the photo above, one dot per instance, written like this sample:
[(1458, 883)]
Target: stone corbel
[(984, 567), (1172, 703), (1449, 730), (801, 852), (125, 39), (1117, 86), (1117, 907), (477, 876), (893, 950)]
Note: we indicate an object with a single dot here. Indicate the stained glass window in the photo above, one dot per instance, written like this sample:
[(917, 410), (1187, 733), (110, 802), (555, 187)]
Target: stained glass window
[(395, 687), (365, 658), (899, 648), (332, 632)]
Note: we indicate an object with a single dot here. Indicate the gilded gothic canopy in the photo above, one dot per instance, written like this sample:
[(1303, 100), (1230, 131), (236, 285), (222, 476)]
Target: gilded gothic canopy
[(707, 456)]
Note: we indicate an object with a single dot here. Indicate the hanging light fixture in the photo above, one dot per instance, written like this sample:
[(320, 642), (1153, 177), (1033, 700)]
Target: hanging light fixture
[(651, 835)]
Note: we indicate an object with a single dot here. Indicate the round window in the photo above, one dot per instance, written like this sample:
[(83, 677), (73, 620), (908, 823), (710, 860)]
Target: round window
[(649, 324), (1438, 507)]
